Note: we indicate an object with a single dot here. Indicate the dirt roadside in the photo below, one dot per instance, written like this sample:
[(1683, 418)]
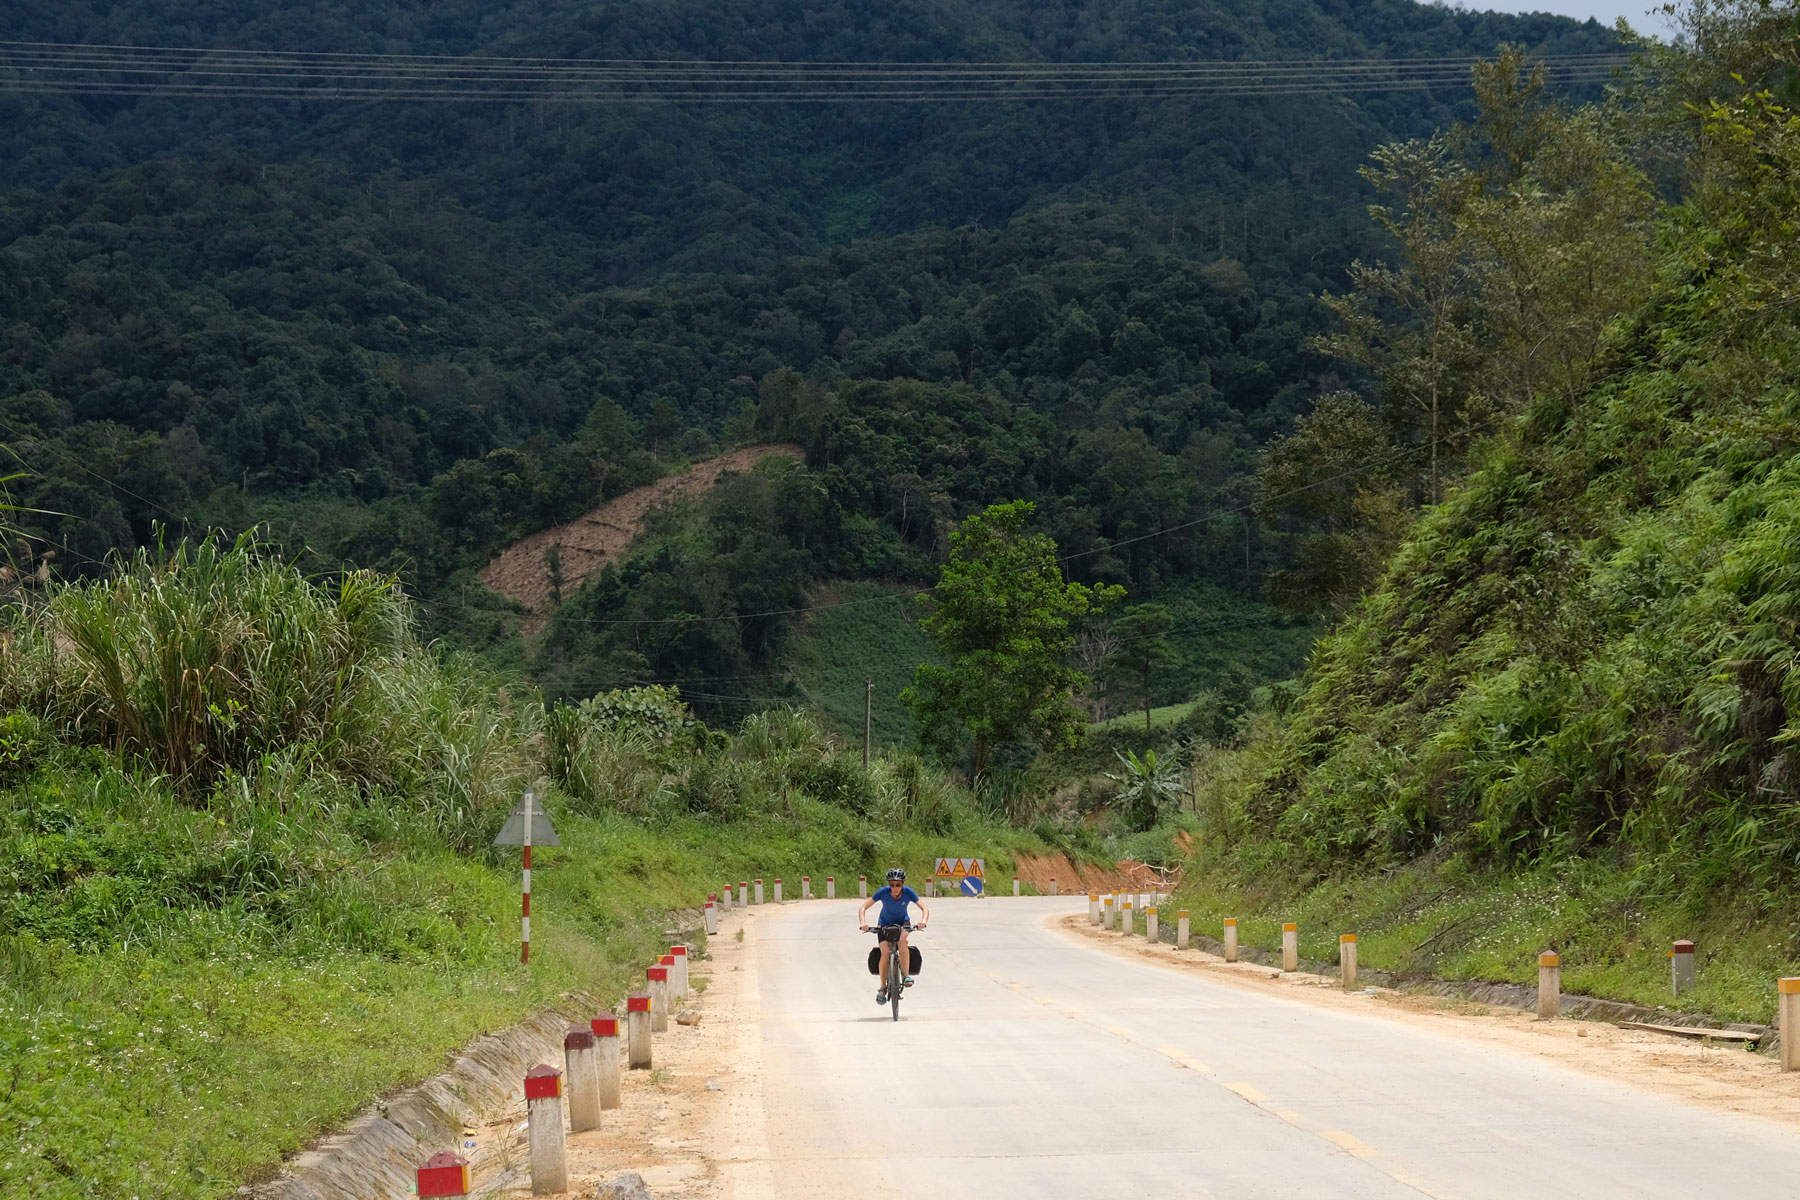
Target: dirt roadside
[(1726, 1078), (693, 1126)]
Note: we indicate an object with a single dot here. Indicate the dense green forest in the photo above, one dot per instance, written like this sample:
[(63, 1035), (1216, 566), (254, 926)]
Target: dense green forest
[(400, 334)]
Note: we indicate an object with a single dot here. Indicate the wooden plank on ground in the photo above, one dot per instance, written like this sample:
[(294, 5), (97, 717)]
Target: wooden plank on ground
[(1747, 1037)]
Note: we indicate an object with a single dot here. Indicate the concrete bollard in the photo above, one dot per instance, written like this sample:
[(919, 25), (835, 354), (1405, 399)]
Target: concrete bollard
[(637, 1032), (1681, 967), (1230, 939), (1347, 959), (656, 982), (606, 1057), (1015, 885), (759, 893), (1787, 1021), (725, 899), (743, 893), (1053, 885), (443, 1174), (778, 891), (1093, 908), (1106, 912), (1181, 930), (806, 887), (680, 980), (583, 1074), (549, 1151), (712, 919), (1290, 947), (831, 887), (1549, 985), (862, 887), (1127, 917), (1151, 933)]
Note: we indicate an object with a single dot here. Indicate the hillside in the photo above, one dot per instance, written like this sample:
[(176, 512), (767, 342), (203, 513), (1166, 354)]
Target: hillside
[(523, 571), (1568, 714), (406, 333)]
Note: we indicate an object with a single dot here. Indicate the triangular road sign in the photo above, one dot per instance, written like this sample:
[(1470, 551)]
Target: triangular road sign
[(513, 832)]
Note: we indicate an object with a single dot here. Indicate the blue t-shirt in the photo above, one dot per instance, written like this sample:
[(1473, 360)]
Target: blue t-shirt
[(893, 908)]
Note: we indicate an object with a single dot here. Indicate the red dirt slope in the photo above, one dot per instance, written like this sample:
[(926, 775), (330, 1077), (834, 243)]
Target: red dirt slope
[(603, 535)]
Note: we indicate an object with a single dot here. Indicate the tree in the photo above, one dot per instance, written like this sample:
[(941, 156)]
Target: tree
[(1147, 786), (1000, 614), (1142, 646)]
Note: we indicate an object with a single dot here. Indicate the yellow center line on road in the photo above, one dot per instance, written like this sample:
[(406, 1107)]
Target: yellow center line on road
[(1351, 1145), (1247, 1091)]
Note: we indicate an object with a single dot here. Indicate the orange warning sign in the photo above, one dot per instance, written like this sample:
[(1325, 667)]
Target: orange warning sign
[(943, 866), (959, 868)]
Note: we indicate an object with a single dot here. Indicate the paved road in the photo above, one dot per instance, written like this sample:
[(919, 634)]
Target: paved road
[(1026, 1063)]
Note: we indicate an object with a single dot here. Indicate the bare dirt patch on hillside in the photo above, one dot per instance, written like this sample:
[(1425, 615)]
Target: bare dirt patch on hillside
[(604, 534), (1037, 870)]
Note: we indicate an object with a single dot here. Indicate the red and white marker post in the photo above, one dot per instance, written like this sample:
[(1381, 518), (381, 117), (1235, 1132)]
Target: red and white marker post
[(526, 825), (544, 1117), (606, 1057), (525, 899)]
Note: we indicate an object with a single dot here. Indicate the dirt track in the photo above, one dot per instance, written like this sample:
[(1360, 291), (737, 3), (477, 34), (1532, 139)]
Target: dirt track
[(603, 535)]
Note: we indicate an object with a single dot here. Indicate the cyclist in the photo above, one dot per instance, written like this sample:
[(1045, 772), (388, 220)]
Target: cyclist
[(893, 899)]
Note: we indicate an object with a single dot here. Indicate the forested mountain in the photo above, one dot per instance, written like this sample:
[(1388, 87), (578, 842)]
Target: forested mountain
[(401, 332)]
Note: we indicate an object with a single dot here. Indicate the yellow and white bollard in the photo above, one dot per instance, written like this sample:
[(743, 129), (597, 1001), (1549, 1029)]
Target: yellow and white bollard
[(1150, 930), (1787, 1019), (1290, 947), (1549, 985), (1106, 912), (1230, 939), (1093, 908), (1181, 930), (1127, 918), (1347, 959)]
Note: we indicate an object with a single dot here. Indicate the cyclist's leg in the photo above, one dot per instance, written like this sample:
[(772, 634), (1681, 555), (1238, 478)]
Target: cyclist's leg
[(882, 972), (905, 952)]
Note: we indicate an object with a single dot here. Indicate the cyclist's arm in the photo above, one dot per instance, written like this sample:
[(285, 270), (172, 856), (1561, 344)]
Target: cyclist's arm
[(866, 905), (924, 913)]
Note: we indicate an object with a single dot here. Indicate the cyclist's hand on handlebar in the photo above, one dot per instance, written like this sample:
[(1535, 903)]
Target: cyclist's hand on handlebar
[(865, 929)]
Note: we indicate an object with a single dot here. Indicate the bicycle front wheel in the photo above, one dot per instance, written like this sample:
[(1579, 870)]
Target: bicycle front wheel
[(896, 980)]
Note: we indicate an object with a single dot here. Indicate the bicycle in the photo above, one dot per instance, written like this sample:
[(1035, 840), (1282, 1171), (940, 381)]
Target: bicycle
[(895, 983)]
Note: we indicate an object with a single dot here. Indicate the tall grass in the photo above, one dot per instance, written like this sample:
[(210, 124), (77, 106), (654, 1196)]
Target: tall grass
[(216, 660)]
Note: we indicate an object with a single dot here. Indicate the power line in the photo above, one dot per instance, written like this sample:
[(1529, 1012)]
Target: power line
[(66, 68)]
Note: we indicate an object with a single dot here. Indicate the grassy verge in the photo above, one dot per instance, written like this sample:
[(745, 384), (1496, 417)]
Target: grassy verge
[(1445, 920), (185, 1062)]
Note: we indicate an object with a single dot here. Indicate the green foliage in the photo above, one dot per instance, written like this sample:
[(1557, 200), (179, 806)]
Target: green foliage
[(1000, 615), (1587, 650), (1149, 786), (319, 888), (1140, 641)]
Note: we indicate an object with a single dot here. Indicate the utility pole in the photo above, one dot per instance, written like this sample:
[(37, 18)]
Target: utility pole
[(868, 704)]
